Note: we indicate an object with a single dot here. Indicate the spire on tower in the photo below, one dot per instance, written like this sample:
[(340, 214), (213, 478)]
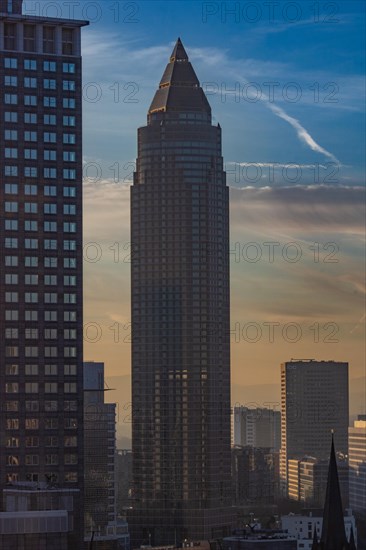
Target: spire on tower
[(333, 532)]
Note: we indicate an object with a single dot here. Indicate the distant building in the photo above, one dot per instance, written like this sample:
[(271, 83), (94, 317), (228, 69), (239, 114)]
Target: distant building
[(123, 479), (307, 480), (100, 447), (258, 427), (357, 465), (314, 401), (255, 474), (302, 527)]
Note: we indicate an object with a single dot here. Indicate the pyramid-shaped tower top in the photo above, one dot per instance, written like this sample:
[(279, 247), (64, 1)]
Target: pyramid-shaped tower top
[(179, 88)]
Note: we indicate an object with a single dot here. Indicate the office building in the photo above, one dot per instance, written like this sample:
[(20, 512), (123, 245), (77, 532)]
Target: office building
[(314, 401), (255, 475), (41, 379), (100, 450), (307, 480), (259, 427), (357, 465), (180, 318)]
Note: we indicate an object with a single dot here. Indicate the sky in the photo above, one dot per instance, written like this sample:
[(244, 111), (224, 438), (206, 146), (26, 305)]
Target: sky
[(285, 80)]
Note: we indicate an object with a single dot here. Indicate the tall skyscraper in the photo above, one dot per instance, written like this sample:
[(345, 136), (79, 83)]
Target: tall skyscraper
[(314, 401), (41, 357), (180, 318)]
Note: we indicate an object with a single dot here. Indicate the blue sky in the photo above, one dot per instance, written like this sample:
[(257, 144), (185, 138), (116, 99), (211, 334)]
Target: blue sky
[(312, 55)]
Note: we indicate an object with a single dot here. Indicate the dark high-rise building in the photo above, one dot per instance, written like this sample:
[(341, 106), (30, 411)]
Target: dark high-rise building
[(41, 359), (180, 318)]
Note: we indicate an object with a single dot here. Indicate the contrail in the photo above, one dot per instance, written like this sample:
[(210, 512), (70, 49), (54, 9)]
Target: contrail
[(301, 132)]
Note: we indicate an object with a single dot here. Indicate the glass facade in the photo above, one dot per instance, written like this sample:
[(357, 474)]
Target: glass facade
[(180, 318)]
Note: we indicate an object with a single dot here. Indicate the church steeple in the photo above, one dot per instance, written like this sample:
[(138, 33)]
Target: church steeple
[(352, 544), (315, 545), (333, 535), (179, 88)]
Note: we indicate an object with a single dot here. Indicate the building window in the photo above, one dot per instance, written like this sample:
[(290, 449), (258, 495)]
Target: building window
[(31, 460), (30, 189), (30, 136), (71, 477), (11, 99), (50, 316), (50, 191), (30, 118), (12, 370), (10, 36), (48, 40), (70, 387), (50, 351), (69, 85), (69, 120), (30, 171), (31, 316), (49, 173), (11, 135), (12, 460), (12, 387), (30, 154), (49, 137), (51, 370), (51, 423), (30, 82), (29, 38), (30, 280), (11, 171), (49, 66), (30, 64), (50, 101), (68, 103), (32, 441), (10, 63), (11, 225), (11, 152), (11, 117), (49, 120), (31, 424), (51, 406), (49, 84), (50, 387), (67, 41), (30, 101), (10, 80), (69, 139)]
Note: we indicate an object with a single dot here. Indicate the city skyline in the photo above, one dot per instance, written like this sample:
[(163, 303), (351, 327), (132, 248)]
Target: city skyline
[(321, 294)]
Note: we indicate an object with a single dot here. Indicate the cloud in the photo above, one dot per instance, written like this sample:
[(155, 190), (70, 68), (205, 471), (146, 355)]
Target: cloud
[(300, 209)]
